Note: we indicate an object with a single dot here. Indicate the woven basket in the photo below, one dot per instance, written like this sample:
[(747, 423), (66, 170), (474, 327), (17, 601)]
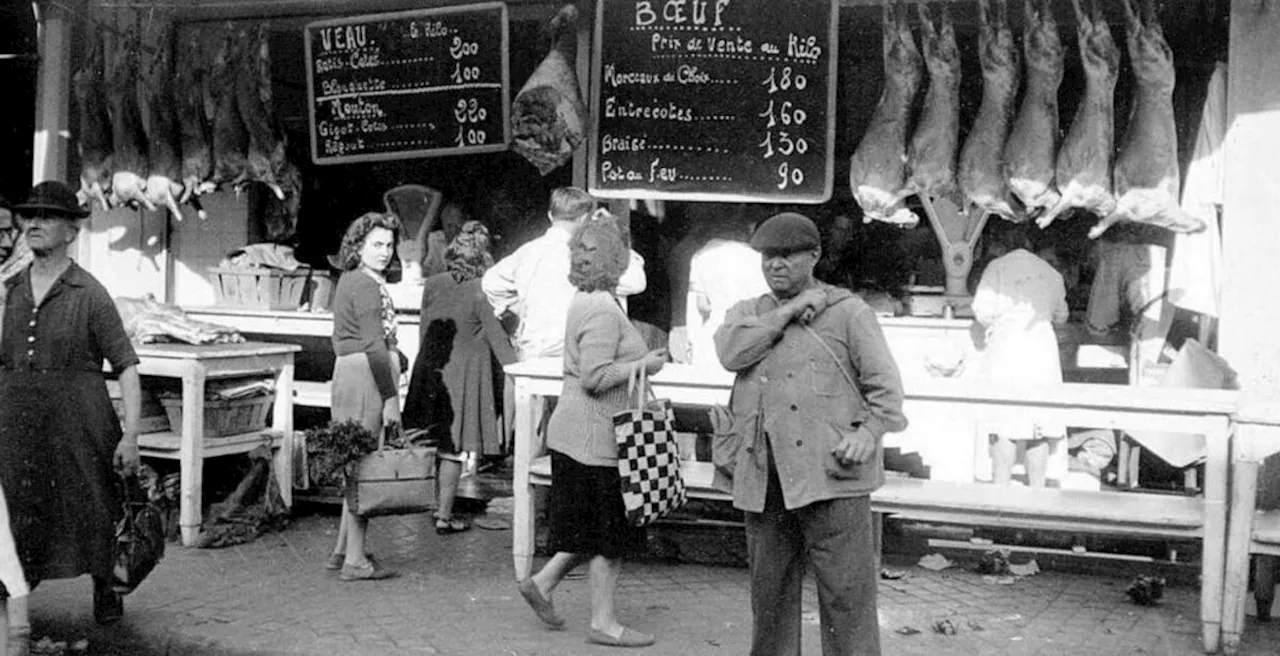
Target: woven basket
[(223, 417), (260, 289)]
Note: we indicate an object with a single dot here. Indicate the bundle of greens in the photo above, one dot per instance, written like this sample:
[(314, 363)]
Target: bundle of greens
[(332, 448)]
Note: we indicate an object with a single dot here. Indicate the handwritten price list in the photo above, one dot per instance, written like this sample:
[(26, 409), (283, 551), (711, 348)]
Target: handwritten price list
[(409, 84), (726, 100)]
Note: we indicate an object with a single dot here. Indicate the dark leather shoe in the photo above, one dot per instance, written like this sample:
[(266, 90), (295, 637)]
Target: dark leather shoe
[(371, 572), (108, 605)]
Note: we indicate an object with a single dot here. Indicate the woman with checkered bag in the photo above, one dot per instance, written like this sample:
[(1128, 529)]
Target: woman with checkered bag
[(601, 352)]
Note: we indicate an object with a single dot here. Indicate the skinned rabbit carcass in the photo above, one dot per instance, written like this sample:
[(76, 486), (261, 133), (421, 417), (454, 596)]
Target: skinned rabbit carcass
[(128, 137), (981, 174), (94, 139), (877, 169), (548, 117), (164, 180), (253, 100), (1146, 171), (196, 136), (1031, 150), (931, 158), (1084, 159)]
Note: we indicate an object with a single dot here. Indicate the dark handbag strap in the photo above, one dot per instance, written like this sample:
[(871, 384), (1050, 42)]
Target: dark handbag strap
[(834, 358)]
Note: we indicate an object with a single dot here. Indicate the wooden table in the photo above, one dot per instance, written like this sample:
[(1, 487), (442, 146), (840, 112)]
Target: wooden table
[(1206, 412), (194, 365), (1257, 437)]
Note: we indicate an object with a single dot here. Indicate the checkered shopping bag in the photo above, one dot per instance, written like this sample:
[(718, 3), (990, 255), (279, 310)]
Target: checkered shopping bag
[(648, 456)]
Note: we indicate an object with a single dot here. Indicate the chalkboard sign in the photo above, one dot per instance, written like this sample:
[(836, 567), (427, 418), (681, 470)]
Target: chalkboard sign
[(409, 84), (728, 100)]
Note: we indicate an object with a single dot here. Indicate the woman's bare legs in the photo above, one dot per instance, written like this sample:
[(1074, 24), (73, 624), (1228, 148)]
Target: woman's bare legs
[(604, 583), (554, 571)]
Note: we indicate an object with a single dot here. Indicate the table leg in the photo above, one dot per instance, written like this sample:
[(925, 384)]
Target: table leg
[(191, 452), (523, 522), (1244, 476), (1213, 557), (282, 420)]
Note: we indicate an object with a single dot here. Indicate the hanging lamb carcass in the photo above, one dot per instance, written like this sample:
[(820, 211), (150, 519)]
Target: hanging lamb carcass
[(548, 117), (981, 175), (195, 129), (1146, 171), (931, 159), (164, 136), (878, 168), (230, 137), (94, 138), (1084, 159), (1031, 151)]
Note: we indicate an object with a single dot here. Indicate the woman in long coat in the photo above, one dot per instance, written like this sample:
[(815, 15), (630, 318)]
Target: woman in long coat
[(61, 442), (451, 392)]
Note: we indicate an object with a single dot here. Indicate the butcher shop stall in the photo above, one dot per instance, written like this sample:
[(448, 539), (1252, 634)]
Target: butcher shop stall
[(225, 146)]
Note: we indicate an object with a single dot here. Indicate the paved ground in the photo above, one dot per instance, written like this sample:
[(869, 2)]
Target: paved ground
[(457, 597)]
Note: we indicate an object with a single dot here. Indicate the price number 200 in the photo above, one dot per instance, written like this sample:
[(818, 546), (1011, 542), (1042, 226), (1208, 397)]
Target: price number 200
[(468, 111)]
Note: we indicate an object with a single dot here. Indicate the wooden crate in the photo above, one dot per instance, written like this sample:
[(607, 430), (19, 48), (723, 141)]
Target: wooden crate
[(225, 417), (260, 289)]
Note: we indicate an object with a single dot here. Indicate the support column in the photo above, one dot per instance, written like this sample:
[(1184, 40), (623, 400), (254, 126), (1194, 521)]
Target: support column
[(52, 135)]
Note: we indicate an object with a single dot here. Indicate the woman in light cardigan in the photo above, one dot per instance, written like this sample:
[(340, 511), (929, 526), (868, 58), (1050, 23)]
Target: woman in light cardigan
[(587, 520)]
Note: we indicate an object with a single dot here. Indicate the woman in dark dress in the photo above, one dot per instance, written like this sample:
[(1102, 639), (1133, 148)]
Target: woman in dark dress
[(451, 393), (61, 442)]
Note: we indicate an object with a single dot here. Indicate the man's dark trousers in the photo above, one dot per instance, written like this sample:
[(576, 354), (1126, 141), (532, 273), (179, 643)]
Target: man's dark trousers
[(837, 539)]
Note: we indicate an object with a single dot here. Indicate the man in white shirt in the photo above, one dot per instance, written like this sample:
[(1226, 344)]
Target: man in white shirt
[(533, 282), (724, 271)]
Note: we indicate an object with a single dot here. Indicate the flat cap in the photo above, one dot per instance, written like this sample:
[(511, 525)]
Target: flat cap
[(788, 231)]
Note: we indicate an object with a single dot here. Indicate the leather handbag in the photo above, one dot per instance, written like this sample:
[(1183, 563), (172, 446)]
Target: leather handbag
[(397, 481), (140, 537)]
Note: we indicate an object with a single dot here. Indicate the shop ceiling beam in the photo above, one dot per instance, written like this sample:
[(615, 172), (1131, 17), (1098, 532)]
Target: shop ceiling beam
[(206, 10)]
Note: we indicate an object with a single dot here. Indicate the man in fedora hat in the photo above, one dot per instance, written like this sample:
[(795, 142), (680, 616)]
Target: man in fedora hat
[(58, 431), (816, 389)]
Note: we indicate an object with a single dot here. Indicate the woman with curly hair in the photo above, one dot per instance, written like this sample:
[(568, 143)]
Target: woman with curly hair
[(602, 349), (367, 368), (451, 392)]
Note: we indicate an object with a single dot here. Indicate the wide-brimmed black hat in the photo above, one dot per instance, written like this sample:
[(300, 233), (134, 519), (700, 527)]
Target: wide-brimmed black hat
[(52, 196)]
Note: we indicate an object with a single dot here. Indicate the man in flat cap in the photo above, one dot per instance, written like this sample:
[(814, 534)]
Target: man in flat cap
[(816, 389)]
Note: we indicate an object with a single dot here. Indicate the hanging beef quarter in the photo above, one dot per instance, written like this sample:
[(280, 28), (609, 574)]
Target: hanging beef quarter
[(1146, 172), (981, 174), (128, 181), (932, 156), (1084, 159), (164, 180), (94, 144), (190, 80), (230, 138), (1030, 152), (878, 168), (253, 100), (548, 118)]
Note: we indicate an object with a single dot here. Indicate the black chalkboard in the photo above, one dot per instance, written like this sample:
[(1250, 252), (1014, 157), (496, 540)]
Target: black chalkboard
[(408, 84), (730, 100)]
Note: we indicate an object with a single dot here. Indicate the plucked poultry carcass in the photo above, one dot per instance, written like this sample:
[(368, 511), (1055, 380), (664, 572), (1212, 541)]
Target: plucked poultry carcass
[(1084, 159), (548, 117), (164, 180), (94, 143), (128, 180), (1030, 152), (253, 100), (191, 76), (981, 175), (878, 168), (1146, 171), (230, 138), (931, 158)]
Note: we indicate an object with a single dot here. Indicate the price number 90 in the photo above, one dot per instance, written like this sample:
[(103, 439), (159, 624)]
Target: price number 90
[(788, 176)]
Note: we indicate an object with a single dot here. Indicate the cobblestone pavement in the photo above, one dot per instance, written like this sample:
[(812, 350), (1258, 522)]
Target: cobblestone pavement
[(457, 597)]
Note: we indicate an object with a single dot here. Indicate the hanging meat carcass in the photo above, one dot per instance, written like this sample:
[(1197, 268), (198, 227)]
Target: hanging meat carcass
[(981, 175), (230, 138), (94, 144), (1031, 151), (1146, 171), (548, 117), (191, 78), (128, 179), (164, 180), (1084, 159), (932, 156), (878, 168), (253, 100)]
